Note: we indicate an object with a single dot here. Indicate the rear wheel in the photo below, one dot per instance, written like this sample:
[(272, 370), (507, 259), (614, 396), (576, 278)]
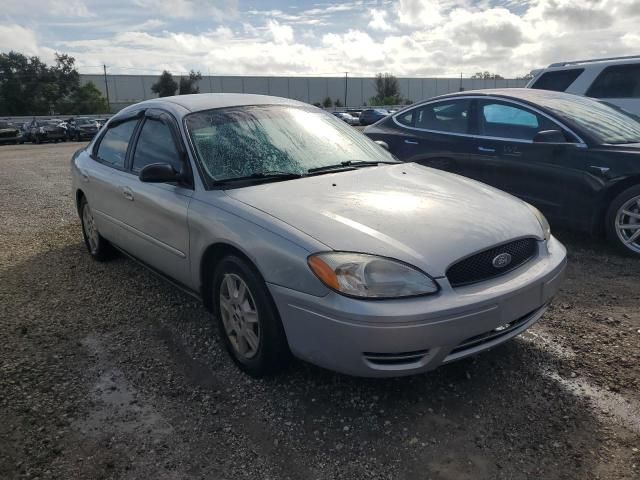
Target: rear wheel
[(98, 247), (248, 319), (623, 221)]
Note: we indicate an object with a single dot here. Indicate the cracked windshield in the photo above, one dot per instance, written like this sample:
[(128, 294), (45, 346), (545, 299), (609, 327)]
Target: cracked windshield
[(244, 141)]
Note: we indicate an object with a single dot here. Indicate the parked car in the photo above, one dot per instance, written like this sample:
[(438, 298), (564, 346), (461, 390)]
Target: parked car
[(9, 133), (303, 236), (47, 131), (616, 80), (82, 129), (372, 115), (575, 158), (347, 118)]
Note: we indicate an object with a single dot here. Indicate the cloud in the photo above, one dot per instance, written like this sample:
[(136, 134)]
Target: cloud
[(419, 12), (39, 8), (405, 37), (379, 21), (19, 39), (216, 9), (280, 33)]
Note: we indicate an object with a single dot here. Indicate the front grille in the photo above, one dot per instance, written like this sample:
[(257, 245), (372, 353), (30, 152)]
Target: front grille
[(481, 267), (394, 359)]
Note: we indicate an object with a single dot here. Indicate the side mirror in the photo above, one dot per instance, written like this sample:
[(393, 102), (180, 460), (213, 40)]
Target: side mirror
[(159, 173), (549, 136), (383, 144)]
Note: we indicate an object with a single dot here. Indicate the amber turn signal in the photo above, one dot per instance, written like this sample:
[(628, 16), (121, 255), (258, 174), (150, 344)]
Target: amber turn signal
[(324, 272)]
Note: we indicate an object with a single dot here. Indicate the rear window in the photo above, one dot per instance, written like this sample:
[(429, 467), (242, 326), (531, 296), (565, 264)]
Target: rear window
[(558, 81), (617, 81)]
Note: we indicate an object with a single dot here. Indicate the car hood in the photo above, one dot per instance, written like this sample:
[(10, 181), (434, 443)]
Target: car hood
[(416, 214)]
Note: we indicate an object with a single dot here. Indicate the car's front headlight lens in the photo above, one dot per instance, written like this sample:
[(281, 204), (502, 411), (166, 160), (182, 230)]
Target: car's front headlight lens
[(544, 224), (370, 276)]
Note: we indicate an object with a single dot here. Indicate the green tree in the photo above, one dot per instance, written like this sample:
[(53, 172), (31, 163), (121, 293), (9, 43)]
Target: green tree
[(327, 102), (166, 86), (386, 85), (337, 103), (87, 99), (188, 84), (487, 76), (29, 87)]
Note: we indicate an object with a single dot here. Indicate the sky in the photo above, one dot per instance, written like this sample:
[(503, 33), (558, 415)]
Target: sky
[(310, 37)]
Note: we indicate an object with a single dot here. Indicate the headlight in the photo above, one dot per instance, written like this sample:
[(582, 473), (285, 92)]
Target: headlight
[(41, 129), (546, 229), (370, 276)]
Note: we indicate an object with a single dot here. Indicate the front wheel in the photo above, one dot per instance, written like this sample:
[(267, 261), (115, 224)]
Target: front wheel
[(98, 247), (623, 221), (248, 319)]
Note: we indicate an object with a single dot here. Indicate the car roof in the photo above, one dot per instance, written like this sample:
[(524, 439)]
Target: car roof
[(207, 101), (531, 95)]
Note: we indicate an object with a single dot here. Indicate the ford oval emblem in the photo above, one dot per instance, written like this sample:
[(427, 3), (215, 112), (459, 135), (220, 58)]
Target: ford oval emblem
[(501, 260)]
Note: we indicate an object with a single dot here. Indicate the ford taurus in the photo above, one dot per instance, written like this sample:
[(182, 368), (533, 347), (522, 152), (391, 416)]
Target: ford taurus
[(305, 237)]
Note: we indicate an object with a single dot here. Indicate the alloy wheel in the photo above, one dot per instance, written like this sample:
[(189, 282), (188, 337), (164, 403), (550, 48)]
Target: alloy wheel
[(239, 316), (90, 229), (628, 224)]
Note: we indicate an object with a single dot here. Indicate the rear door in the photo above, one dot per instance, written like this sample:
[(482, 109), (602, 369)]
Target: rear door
[(155, 214), (542, 174), (438, 135)]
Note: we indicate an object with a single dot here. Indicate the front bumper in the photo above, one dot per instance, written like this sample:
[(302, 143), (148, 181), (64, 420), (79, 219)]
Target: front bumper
[(387, 338)]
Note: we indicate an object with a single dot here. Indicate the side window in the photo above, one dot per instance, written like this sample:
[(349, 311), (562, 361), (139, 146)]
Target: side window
[(452, 116), (406, 118), (618, 81), (557, 81), (510, 121), (113, 146), (155, 145)]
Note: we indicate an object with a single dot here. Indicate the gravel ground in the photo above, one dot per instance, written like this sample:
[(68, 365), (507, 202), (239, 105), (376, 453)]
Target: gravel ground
[(108, 372)]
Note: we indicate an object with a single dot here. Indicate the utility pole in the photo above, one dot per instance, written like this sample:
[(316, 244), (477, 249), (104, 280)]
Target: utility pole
[(346, 74), (106, 87)]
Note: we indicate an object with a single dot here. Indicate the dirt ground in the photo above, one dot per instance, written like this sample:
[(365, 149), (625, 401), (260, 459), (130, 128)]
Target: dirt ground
[(108, 372)]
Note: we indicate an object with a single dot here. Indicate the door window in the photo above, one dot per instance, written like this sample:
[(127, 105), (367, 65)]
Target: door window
[(448, 117), (155, 145), (113, 146), (618, 81), (509, 121)]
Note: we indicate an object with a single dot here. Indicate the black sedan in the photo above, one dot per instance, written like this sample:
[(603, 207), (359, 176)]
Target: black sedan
[(9, 133), (372, 115), (576, 159), (82, 129), (47, 131)]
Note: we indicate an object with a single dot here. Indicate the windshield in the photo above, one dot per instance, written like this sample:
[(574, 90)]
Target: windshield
[(242, 141), (607, 124)]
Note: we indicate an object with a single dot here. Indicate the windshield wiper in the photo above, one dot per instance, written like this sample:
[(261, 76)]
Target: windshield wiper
[(271, 174), (349, 165)]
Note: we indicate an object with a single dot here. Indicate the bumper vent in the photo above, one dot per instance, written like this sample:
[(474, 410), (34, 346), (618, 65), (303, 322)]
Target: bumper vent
[(395, 359), (492, 335), (484, 265)]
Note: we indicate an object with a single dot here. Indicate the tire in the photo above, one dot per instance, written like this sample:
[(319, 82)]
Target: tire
[(625, 210), (97, 246), (267, 351)]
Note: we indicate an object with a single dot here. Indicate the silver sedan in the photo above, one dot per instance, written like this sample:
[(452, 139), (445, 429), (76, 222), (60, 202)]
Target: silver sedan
[(304, 237)]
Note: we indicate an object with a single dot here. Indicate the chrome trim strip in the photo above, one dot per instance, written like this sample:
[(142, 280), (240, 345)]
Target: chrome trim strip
[(580, 144), (142, 235)]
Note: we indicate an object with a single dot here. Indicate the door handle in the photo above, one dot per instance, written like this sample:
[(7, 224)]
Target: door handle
[(128, 194), (488, 150), (411, 142)]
